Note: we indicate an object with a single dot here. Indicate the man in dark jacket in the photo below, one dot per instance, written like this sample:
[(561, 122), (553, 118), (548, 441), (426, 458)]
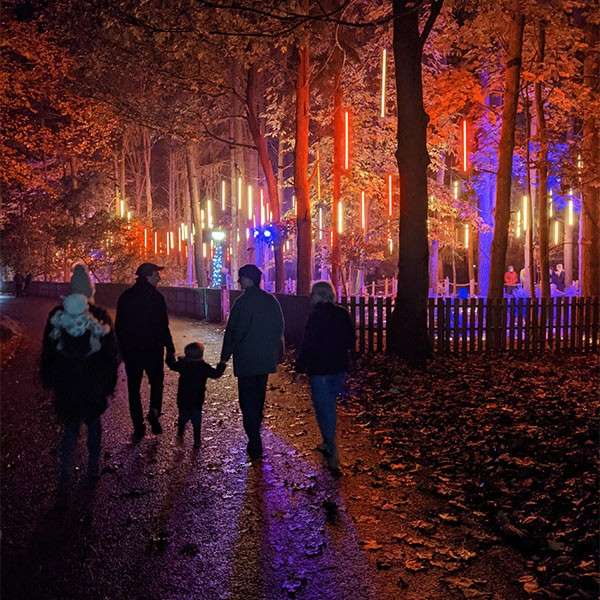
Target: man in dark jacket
[(142, 327), (254, 336)]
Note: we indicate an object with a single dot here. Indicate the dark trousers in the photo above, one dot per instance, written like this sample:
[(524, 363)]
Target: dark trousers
[(252, 391), (135, 365), (195, 416), (68, 443)]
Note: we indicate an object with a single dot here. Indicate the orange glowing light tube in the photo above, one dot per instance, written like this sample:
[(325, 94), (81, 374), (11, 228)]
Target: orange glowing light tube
[(363, 215), (239, 194), (168, 245), (320, 222), (340, 217), (383, 76), (145, 238), (556, 233), (465, 157), (318, 175), (346, 138), (466, 236), (223, 195), (570, 212), (525, 216), (156, 242), (250, 204), (390, 196)]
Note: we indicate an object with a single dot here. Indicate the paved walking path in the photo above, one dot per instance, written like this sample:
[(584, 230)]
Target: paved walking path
[(167, 523)]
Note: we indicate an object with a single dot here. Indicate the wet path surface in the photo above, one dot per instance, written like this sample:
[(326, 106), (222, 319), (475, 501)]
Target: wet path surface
[(170, 523)]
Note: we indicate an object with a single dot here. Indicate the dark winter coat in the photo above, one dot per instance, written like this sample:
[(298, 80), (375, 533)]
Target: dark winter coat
[(328, 340), (254, 334), (142, 322), (81, 383), (192, 381)]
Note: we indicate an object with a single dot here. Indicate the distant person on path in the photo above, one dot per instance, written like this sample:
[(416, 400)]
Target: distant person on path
[(254, 336), (511, 280), (191, 390), (324, 355), (18, 280), (142, 326), (27, 283), (79, 363), (558, 278)]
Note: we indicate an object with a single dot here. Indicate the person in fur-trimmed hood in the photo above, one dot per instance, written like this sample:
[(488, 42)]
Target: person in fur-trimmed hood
[(79, 364)]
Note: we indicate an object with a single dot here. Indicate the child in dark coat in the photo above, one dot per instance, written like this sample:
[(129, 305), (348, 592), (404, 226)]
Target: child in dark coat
[(193, 373)]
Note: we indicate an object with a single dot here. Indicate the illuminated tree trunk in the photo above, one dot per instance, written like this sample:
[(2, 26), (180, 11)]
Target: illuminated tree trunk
[(529, 258), (303, 221), (199, 262), (542, 170), (147, 177), (590, 214), (505, 152), (260, 142), (235, 172), (338, 157), (171, 187), (408, 327)]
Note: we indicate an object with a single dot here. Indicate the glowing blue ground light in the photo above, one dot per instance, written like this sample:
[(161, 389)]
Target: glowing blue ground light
[(268, 234)]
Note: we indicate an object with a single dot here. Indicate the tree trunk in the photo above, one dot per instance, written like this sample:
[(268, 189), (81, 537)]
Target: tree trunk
[(409, 337), (260, 142), (542, 170), (147, 177), (171, 187), (190, 156), (303, 224), (529, 259), (505, 152), (338, 158), (590, 213)]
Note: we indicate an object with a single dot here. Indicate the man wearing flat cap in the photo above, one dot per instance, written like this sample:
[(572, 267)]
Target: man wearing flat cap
[(142, 327), (254, 336)]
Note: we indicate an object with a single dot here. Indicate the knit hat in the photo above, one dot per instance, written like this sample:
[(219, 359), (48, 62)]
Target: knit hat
[(81, 282), (252, 272)]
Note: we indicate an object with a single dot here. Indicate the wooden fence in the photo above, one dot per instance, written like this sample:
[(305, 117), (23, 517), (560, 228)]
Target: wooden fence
[(567, 324)]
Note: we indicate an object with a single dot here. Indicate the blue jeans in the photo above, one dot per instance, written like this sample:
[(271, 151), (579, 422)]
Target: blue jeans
[(195, 416), (68, 444), (325, 390)]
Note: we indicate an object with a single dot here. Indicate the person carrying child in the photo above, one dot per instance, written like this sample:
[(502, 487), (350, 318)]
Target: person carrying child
[(193, 373)]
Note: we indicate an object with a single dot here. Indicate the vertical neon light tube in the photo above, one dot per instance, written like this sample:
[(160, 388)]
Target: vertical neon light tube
[(210, 215), (390, 196), (465, 157), (556, 233), (466, 236), (172, 236), (204, 249), (168, 245), (340, 217), (518, 223), (262, 207), (156, 242), (201, 218), (570, 211), (320, 222), (391, 245), (239, 194), (223, 195), (145, 238), (179, 241), (347, 137), (525, 216), (250, 205), (383, 75), (318, 175), (122, 209), (550, 205), (363, 216)]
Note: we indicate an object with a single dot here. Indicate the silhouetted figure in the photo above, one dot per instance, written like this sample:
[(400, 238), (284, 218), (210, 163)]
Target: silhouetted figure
[(193, 374), (328, 341), (142, 326), (558, 278), (254, 336), (18, 280), (79, 363), (27, 283)]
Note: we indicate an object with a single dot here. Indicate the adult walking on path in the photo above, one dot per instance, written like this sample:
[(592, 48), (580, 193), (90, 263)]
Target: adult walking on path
[(142, 326), (254, 336), (79, 363), (324, 355)]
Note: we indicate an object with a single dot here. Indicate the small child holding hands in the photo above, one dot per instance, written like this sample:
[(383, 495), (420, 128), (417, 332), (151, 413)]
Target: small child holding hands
[(193, 373)]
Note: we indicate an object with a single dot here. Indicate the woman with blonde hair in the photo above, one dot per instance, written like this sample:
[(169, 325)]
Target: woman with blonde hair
[(324, 355)]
